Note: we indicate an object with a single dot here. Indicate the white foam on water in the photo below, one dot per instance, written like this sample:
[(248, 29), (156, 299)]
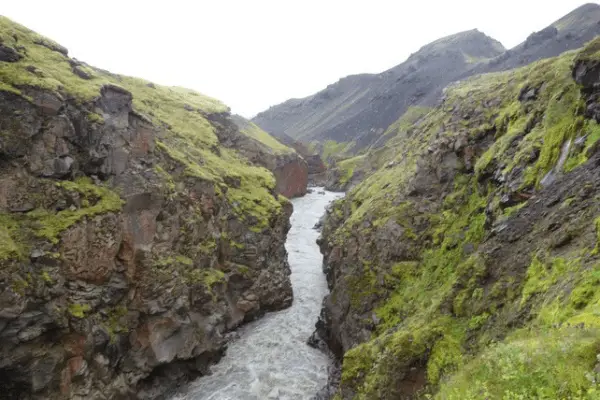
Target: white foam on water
[(271, 359)]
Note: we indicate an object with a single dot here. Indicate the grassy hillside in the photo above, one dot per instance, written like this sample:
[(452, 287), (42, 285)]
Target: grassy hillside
[(183, 112), (466, 266)]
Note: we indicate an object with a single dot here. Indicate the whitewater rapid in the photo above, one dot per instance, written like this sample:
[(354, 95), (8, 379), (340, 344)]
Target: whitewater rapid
[(270, 359)]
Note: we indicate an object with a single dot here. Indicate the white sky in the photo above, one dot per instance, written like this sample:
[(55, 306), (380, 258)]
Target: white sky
[(252, 54)]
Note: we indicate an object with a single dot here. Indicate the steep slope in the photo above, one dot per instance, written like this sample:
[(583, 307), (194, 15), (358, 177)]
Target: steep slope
[(289, 167), (358, 108), (316, 166), (570, 32), (466, 266), (134, 234)]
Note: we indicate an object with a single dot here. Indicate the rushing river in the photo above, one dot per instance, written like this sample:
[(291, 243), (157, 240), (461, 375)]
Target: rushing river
[(271, 359)]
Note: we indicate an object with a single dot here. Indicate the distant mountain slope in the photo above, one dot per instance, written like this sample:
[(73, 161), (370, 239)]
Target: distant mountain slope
[(570, 32), (358, 105), (359, 108)]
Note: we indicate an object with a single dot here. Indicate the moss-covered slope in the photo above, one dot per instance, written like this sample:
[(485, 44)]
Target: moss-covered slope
[(465, 267), (135, 228)]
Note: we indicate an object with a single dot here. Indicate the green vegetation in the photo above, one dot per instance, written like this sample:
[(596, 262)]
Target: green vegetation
[(190, 138), (96, 200), (79, 310), (475, 326), (332, 151), (117, 322), (546, 364), (347, 167), (251, 129), (10, 246), (407, 120)]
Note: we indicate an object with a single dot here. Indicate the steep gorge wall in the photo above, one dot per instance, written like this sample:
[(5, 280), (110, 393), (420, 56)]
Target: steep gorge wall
[(290, 166), (472, 245), (133, 233)]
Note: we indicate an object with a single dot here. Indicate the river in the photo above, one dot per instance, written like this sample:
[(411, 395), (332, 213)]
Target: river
[(270, 359)]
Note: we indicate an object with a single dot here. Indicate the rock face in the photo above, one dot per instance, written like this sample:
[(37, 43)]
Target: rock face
[(316, 166), (134, 234), (290, 168), (457, 269), (357, 110)]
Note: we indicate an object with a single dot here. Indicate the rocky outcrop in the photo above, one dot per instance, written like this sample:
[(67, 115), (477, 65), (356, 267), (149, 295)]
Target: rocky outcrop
[(290, 168), (458, 253), (134, 234)]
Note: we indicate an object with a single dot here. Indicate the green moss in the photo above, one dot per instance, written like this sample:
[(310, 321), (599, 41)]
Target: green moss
[(332, 150), (184, 260), (243, 269), (541, 275), (363, 284), (95, 118), (591, 133), (447, 353), (19, 286), (167, 178), (597, 226), (208, 246), (190, 138), (234, 244), (51, 224), (590, 52), (11, 246), (347, 168), (46, 277), (252, 130), (208, 277), (79, 310), (446, 305)]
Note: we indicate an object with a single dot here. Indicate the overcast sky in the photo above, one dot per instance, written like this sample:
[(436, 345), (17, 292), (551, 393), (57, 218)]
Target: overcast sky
[(252, 54)]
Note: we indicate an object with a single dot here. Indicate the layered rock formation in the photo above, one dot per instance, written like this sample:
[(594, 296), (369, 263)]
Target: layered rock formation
[(465, 266), (134, 232)]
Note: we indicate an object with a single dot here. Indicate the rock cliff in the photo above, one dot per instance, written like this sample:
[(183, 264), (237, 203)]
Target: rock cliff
[(290, 167), (466, 265), (134, 231)]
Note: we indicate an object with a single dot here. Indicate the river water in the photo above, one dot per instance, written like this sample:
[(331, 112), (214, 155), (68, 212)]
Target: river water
[(271, 359)]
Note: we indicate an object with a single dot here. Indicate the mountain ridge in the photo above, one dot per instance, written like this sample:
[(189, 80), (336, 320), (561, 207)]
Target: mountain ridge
[(357, 109)]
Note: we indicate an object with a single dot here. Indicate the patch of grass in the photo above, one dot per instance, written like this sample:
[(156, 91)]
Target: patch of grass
[(412, 115), (547, 364), (252, 130), (347, 167), (542, 275), (332, 150)]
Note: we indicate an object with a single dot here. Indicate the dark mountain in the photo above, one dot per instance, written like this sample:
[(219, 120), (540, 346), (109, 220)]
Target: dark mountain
[(570, 32), (359, 108), (359, 105)]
